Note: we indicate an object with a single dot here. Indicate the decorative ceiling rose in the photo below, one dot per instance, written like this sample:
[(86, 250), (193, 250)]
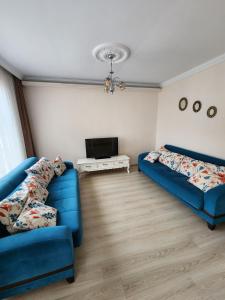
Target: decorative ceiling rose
[(111, 53), (121, 52)]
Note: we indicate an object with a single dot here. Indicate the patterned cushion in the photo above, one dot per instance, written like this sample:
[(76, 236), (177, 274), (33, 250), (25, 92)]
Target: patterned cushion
[(38, 178), (219, 170), (190, 166), (11, 207), (205, 180), (162, 150), (36, 191), (59, 166), (152, 156), (34, 215), (44, 168), (171, 159)]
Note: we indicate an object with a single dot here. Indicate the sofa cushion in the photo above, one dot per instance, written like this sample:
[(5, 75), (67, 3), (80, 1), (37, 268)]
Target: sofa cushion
[(36, 177), (65, 204), (190, 166), (69, 174), (162, 150), (59, 166), (152, 156), (196, 155), (171, 160), (12, 206), (64, 192), (219, 170), (205, 180), (9, 182), (35, 215), (36, 191), (44, 168), (70, 219), (175, 183)]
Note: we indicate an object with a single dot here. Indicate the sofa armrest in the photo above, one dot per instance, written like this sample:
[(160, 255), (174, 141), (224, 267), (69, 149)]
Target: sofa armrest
[(142, 156), (69, 164), (33, 253), (214, 201)]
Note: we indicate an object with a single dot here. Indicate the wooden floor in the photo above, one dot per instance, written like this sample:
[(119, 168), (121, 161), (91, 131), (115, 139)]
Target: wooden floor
[(141, 243)]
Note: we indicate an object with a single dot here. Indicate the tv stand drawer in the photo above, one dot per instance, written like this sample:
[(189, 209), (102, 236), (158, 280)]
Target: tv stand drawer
[(89, 167), (121, 164), (105, 166)]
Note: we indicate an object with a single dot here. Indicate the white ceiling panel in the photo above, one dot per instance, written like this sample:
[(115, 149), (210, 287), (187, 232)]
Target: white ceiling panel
[(54, 38)]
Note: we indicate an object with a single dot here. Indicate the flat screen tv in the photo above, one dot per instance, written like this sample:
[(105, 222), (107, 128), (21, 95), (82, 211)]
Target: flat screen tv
[(101, 147)]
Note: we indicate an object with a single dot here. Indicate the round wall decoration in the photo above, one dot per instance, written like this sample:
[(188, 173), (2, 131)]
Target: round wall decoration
[(183, 103), (211, 111), (197, 105)]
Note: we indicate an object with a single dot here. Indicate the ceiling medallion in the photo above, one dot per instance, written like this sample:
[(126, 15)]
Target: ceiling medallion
[(112, 53)]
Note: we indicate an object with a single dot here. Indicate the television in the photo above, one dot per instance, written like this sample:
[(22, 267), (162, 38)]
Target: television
[(101, 147)]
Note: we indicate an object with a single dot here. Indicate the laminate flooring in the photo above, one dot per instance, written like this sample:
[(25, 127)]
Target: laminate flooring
[(140, 243)]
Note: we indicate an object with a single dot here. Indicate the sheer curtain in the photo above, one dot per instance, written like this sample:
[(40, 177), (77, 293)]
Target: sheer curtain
[(12, 148)]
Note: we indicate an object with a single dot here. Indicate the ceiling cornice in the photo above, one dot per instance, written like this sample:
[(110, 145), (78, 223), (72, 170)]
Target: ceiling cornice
[(8, 67), (31, 80), (195, 70), (40, 81)]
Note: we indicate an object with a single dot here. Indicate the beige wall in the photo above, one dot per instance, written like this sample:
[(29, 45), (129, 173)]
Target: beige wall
[(194, 130), (63, 115)]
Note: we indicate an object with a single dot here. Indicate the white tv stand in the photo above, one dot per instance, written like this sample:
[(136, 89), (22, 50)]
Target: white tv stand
[(114, 162)]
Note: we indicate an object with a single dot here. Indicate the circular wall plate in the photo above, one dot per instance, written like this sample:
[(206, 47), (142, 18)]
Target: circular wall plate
[(212, 111), (102, 51), (197, 105), (183, 103)]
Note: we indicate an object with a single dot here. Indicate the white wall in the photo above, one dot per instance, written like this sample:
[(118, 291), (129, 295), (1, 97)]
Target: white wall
[(63, 115), (189, 129)]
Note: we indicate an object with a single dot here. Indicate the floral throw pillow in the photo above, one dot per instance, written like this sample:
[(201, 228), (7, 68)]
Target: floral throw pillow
[(34, 215), (205, 180), (11, 207), (219, 170), (175, 161), (59, 166), (171, 159), (152, 156), (162, 150), (190, 166), (44, 168), (36, 177), (35, 190)]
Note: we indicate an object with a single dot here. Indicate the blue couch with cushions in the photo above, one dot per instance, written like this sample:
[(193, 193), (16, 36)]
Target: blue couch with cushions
[(39, 257), (210, 206)]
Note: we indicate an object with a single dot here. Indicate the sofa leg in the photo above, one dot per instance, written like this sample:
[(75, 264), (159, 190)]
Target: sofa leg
[(211, 227), (139, 170), (70, 279)]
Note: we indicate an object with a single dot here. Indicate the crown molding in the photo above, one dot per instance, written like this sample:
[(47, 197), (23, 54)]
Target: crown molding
[(8, 67), (40, 81), (43, 81), (195, 70)]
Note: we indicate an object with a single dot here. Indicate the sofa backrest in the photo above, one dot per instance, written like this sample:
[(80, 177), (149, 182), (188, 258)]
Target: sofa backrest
[(196, 155), (9, 182)]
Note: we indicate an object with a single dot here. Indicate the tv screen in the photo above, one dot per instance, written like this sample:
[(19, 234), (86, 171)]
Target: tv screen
[(101, 147)]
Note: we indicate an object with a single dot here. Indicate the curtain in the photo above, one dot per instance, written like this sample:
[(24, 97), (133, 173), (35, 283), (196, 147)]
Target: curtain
[(12, 147), (29, 145)]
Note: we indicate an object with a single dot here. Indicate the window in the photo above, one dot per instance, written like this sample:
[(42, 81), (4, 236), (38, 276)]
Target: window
[(12, 149)]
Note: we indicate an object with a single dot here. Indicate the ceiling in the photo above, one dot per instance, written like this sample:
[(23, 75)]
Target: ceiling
[(53, 39)]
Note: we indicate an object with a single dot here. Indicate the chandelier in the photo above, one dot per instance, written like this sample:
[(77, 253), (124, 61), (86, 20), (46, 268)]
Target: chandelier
[(110, 83), (112, 53)]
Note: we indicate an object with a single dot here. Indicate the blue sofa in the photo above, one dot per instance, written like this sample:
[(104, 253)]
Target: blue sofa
[(210, 206), (39, 257)]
